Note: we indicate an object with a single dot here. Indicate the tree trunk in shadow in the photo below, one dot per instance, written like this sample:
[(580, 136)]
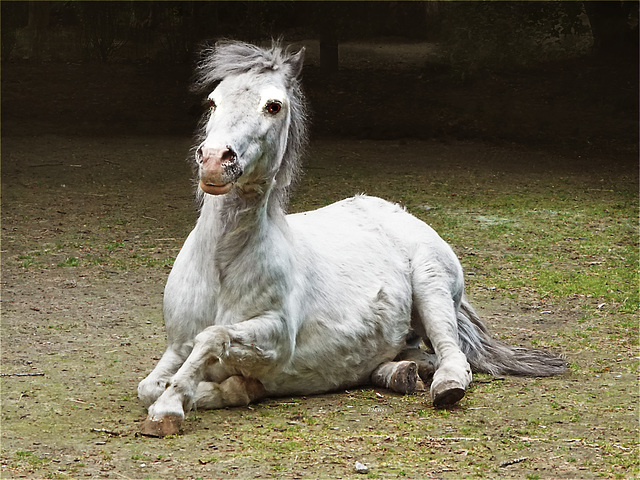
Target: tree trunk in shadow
[(39, 13), (610, 26), (329, 57)]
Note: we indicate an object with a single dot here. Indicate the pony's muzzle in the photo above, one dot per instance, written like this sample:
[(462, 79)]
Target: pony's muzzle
[(219, 169)]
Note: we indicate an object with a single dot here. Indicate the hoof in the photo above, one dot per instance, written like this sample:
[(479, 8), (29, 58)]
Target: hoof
[(446, 393), (405, 378), (167, 425)]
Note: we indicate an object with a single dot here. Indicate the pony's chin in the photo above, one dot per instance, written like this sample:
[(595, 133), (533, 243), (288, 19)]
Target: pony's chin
[(216, 189)]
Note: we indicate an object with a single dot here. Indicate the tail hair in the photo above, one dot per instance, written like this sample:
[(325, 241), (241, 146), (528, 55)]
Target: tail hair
[(486, 354)]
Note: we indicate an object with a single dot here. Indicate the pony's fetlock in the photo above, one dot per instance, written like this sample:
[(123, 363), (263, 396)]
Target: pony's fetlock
[(169, 408), (149, 390)]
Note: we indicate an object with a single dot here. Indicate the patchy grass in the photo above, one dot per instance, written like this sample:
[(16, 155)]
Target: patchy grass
[(550, 246)]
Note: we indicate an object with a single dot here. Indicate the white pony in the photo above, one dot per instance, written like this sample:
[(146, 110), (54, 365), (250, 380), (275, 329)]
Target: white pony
[(260, 303)]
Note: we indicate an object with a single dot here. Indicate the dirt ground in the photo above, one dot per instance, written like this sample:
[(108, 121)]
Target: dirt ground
[(97, 199)]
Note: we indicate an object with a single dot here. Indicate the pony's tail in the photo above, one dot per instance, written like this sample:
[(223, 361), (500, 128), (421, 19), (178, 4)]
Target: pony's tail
[(486, 354)]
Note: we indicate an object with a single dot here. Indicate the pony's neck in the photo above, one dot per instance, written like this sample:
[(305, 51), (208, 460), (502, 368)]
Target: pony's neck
[(249, 206), (241, 218)]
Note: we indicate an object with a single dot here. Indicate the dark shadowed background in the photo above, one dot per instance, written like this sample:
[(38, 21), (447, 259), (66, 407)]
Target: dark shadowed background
[(552, 73)]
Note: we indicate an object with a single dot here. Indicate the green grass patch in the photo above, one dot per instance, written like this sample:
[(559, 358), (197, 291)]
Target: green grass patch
[(70, 262)]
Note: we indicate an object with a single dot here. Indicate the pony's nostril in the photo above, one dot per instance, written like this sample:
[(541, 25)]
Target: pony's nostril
[(229, 155), (216, 157)]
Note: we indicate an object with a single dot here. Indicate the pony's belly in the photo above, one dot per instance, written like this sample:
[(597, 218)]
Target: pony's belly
[(348, 372), (309, 384), (326, 371), (343, 352)]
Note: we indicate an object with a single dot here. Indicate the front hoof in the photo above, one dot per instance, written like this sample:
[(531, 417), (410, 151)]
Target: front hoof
[(447, 393), (161, 427)]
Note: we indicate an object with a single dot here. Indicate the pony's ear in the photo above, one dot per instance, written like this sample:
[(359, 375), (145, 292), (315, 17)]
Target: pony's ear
[(296, 62)]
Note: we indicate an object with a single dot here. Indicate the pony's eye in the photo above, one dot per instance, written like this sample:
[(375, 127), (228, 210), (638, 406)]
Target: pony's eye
[(212, 105), (273, 107)]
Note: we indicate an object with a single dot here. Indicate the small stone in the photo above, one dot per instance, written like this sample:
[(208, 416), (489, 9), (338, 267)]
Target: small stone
[(361, 468)]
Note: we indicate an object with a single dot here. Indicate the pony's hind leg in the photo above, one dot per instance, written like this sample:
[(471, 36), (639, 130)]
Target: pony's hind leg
[(400, 377), (436, 311), (425, 361), (235, 391)]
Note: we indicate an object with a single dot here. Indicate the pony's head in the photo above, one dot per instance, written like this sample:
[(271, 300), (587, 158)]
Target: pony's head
[(255, 128)]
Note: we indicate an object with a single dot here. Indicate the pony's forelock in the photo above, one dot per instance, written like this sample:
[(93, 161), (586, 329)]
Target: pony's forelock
[(229, 57)]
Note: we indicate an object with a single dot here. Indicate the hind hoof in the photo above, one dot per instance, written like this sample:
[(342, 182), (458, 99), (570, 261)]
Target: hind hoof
[(447, 393), (405, 378), (167, 425)]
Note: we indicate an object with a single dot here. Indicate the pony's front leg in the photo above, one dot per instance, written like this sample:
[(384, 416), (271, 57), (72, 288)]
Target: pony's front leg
[(236, 347), (155, 383), (168, 411)]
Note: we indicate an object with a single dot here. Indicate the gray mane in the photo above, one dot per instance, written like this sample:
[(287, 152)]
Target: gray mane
[(229, 58)]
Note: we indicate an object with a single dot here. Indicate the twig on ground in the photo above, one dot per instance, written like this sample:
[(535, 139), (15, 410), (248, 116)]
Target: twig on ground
[(45, 165), (123, 476), (104, 430), (506, 463), (489, 380)]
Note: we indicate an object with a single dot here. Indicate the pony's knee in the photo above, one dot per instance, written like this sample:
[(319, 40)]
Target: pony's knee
[(214, 340)]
